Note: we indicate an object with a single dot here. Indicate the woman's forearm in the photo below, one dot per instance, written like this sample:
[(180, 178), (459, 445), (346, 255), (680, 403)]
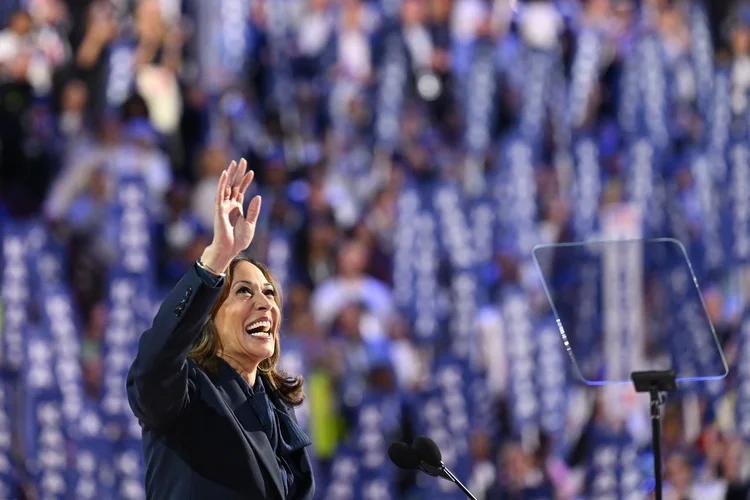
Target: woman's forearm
[(158, 379)]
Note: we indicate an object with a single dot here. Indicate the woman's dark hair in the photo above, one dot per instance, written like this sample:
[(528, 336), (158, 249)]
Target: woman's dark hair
[(207, 347)]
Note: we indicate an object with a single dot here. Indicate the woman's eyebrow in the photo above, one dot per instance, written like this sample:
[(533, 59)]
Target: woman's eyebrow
[(239, 282)]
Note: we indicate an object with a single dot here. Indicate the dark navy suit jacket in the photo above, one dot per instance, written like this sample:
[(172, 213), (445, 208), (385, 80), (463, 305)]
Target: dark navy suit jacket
[(201, 437)]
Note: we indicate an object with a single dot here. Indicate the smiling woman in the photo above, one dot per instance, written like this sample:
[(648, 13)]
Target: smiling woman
[(243, 326), (216, 414)]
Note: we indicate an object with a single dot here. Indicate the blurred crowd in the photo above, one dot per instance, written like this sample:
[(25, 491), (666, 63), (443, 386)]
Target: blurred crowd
[(172, 90)]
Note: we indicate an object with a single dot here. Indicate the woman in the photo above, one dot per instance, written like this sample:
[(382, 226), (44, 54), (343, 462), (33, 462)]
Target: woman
[(216, 415)]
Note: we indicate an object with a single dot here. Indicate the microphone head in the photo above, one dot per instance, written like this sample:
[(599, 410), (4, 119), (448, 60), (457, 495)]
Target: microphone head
[(427, 451), (403, 456)]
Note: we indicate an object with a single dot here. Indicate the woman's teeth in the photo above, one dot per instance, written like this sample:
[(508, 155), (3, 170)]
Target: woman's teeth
[(259, 329)]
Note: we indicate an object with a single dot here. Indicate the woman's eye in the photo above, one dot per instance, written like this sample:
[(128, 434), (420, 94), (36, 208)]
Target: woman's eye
[(244, 289), (270, 292)]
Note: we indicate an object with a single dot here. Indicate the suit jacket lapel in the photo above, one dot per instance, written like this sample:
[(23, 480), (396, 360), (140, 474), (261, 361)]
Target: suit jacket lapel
[(230, 388)]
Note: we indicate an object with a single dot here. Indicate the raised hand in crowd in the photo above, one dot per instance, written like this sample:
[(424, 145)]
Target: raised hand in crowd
[(233, 230)]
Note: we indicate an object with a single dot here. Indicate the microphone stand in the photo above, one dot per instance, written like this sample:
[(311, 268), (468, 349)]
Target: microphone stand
[(656, 383), (458, 483), (445, 473)]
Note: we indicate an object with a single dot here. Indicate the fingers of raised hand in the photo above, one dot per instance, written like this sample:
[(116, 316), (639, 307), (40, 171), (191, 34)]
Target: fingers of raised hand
[(253, 210), (233, 183), (223, 186), (245, 183), (231, 171), (228, 178), (239, 176), (220, 187)]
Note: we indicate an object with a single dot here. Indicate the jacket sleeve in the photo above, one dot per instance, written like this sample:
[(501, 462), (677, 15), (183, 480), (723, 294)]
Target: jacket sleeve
[(157, 382)]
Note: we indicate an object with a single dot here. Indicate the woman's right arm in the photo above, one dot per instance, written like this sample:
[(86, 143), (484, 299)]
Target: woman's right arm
[(157, 382)]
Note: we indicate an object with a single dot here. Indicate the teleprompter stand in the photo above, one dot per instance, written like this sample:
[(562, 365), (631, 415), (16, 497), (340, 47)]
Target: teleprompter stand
[(656, 383)]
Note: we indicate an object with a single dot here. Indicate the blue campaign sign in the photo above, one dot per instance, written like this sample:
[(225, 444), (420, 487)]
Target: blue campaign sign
[(643, 99), (720, 115), (393, 76), (233, 44), (444, 412), (59, 318), (682, 93), (377, 489), (344, 478), (48, 463), (483, 222), (129, 293), (120, 73), (587, 187), (16, 270), (541, 68), (8, 471), (645, 185), (405, 242), (378, 420), (94, 475), (293, 362), (702, 55), (453, 227), (452, 377), (584, 74), (91, 457), (416, 262), (654, 87), (42, 402), (737, 208), (630, 97), (442, 416), (551, 381), (613, 470), (350, 479), (129, 470), (462, 326), (121, 336), (514, 191), (132, 229), (711, 205), (279, 256), (480, 101), (517, 319), (455, 230), (482, 409)]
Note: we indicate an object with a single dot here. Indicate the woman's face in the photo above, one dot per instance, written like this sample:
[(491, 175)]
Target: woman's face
[(248, 320)]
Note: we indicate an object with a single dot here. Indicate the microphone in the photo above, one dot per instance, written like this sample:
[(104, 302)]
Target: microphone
[(404, 457), (428, 452)]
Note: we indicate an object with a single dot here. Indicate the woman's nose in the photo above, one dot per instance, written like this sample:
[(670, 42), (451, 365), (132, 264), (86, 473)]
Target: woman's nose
[(263, 303)]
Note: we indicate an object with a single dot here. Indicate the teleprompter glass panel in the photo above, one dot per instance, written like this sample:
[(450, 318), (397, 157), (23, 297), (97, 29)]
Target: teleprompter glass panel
[(630, 305)]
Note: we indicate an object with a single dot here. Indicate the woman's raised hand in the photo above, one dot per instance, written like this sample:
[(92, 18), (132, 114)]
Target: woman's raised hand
[(233, 231)]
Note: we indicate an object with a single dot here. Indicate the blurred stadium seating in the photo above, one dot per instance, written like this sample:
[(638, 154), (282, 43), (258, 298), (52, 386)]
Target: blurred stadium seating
[(410, 154)]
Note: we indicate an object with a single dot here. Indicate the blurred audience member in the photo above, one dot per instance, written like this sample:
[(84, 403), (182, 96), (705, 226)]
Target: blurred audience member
[(350, 283)]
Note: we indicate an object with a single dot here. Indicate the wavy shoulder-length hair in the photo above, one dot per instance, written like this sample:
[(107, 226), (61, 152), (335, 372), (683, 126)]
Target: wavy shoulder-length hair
[(205, 352)]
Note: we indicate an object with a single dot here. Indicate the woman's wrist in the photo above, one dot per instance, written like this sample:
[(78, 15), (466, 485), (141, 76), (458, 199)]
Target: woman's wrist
[(214, 262)]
